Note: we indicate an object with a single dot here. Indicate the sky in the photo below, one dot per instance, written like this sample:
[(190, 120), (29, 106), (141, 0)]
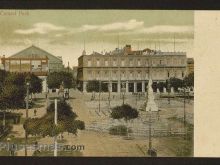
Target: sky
[(64, 32)]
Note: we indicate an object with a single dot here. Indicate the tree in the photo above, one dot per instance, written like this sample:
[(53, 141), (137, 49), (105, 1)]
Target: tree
[(160, 86), (3, 75), (12, 96), (13, 91), (55, 79), (93, 86), (124, 111), (45, 126), (154, 86), (35, 84), (189, 80), (176, 83)]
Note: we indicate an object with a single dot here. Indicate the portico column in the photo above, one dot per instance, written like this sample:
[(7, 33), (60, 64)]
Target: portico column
[(110, 86), (135, 87), (84, 86), (126, 86), (143, 86), (119, 86)]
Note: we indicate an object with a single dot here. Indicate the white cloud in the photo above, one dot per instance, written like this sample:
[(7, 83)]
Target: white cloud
[(164, 40), (128, 25), (166, 29), (40, 28)]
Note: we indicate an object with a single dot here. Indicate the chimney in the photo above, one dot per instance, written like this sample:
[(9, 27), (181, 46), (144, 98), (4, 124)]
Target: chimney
[(127, 49)]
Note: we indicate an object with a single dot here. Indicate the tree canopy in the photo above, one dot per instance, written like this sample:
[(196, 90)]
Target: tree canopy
[(124, 111), (45, 126), (55, 79), (176, 83), (94, 86), (35, 83), (189, 80), (13, 88), (13, 91)]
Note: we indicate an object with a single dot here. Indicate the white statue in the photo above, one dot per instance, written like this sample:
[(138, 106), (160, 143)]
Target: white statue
[(172, 90), (158, 91), (151, 105), (164, 90)]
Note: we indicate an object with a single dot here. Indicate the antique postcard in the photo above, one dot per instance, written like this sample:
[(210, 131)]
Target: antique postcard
[(109, 83)]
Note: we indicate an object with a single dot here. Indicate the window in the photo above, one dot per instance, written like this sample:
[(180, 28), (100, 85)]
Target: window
[(168, 74), (106, 62), (146, 62), (114, 62), (160, 62), (182, 61), (139, 62), (89, 62), (122, 62), (89, 74), (131, 74), (130, 62), (146, 74), (139, 74), (123, 74), (182, 74), (97, 62), (106, 74), (174, 61), (175, 74)]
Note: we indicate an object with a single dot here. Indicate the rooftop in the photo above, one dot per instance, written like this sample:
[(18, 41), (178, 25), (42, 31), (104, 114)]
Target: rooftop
[(128, 51), (35, 52)]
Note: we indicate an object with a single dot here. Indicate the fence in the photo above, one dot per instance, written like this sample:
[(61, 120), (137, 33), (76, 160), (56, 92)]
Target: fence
[(140, 132)]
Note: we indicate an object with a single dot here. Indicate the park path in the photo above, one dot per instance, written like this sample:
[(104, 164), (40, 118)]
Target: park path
[(18, 130), (98, 143)]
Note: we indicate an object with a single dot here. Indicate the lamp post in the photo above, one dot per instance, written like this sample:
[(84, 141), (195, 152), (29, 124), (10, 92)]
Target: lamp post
[(109, 94), (99, 93), (123, 90), (55, 122), (184, 107), (68, 87), (168, 88), (9, 146), (27, 106), (3, 123), (150, 140)]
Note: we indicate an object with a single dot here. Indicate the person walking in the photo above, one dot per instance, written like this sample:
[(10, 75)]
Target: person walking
[(35, 112)]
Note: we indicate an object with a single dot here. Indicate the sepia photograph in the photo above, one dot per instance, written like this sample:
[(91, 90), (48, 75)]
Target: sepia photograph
[(97, 83)]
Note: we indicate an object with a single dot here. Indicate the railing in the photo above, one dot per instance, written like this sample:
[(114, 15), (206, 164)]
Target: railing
[(141, 132)]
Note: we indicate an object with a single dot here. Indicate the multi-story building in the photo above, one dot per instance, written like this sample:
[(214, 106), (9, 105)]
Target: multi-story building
[(33, 60), (190, 65), (131, 68)]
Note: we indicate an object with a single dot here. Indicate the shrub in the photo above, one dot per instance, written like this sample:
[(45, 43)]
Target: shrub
[(45, 125), (124, 111), (119, 130)]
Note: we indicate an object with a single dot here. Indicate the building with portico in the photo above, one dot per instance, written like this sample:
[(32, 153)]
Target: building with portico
[(128, 68), (33, 60)]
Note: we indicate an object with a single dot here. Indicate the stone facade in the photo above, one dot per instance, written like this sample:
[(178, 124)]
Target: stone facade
[(131, 69)]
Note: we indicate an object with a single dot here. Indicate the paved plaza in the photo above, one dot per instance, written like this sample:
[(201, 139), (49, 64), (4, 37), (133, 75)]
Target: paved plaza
[(97, 140)]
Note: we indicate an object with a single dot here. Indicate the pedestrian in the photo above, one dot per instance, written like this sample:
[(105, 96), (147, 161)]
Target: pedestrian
[(35, 112)]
